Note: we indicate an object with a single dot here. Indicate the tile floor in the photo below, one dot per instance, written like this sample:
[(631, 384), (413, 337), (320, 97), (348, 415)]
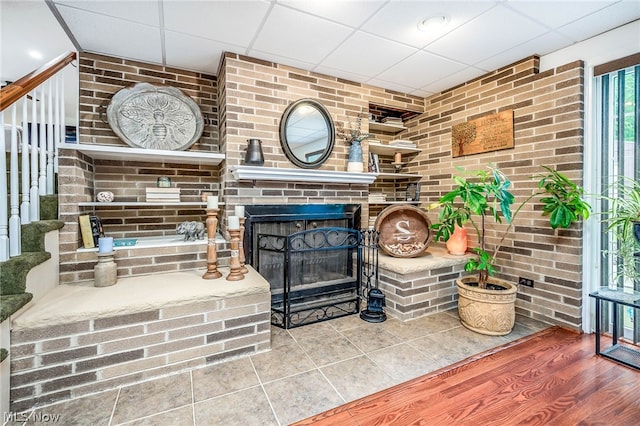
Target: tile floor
[(308, 370)]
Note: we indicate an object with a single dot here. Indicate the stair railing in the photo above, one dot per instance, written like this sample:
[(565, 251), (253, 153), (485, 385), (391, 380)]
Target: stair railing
[(36, 137)]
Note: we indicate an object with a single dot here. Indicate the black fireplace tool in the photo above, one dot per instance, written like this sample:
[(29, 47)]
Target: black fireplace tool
[(374, 312)]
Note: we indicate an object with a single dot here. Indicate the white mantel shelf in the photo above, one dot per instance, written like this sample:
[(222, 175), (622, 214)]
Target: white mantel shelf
[(108, 152), (300, 175)]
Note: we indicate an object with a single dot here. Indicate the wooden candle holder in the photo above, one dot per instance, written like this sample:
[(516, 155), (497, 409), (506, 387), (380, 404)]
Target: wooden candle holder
[(234, 262), (241, 256), (212, 254)]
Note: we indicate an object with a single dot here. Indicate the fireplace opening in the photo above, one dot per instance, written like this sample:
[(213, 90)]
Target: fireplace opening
[(310, 256)]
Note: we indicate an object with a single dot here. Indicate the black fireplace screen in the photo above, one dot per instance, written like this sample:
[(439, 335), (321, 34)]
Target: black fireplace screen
[(314, 274)]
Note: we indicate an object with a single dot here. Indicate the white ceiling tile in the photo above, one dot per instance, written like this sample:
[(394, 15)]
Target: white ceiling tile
[(483, 34), (493, 32), (542, 45), (610, 17), (454, 79), (398, 20), (142, 11), (557, 13), (292, 34), (234, 22), (18, 36), (113, 36), (419, 70), (202, 55), (354, 56), (352, 13)]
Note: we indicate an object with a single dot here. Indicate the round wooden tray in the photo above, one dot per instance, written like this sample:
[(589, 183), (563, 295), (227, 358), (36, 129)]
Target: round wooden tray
[(405, 230)]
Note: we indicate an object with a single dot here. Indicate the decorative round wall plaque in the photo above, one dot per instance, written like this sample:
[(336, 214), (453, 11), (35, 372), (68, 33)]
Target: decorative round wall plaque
[(155, 117), (405, 230)]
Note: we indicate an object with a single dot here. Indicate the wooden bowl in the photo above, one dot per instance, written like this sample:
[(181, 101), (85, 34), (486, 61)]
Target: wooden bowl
[(405, 230)]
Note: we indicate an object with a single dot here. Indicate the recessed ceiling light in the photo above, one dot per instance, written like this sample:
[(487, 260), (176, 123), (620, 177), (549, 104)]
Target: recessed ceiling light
[(35, 54), (433, 22)]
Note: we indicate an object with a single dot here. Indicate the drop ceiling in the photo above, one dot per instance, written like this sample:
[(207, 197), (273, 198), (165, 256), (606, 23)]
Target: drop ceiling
[(376, 42)]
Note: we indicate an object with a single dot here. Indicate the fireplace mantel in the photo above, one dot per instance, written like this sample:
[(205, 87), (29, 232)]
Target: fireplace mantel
[(300, 175)]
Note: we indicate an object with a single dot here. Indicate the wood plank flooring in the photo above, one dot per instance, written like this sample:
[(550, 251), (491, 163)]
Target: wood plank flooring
[(550, 378)]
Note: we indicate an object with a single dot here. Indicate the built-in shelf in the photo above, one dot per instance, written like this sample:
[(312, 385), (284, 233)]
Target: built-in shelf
[(158, 241), (398, 176), (107, 152), (300, 175), (384, 127), (143, 204), (385, 149)]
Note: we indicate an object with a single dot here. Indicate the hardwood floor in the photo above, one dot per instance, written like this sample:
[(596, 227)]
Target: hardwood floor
[(550, 378)]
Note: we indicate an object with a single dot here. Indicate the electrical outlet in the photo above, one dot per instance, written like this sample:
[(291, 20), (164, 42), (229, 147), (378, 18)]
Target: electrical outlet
[(525, 281)]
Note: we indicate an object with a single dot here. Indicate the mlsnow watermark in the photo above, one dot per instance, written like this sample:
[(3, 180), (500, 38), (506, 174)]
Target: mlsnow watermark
[(30, 417)]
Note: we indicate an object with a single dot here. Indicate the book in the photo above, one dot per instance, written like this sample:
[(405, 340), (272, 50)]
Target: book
[(97, 230), (376, 163), (160, 195), (85, 231)]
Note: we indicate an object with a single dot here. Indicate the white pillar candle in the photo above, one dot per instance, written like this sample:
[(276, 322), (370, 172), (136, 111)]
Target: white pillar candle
[(212, 202), (240, 211), (234, 222), (105, 244)]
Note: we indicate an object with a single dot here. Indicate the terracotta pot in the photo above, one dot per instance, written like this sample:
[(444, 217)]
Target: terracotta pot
[(486, 311)]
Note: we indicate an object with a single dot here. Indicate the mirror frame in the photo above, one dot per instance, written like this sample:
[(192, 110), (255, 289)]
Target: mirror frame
[(330, 128)]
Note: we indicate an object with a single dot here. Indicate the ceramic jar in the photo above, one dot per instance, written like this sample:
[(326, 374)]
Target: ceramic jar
[(104, 197)]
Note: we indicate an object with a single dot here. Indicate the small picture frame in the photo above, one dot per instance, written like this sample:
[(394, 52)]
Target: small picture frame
[(413, 192)]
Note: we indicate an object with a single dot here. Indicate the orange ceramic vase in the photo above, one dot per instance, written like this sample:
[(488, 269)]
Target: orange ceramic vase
[(457, 243)]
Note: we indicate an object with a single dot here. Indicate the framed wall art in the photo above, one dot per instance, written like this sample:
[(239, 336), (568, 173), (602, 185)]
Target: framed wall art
[(490, 133)]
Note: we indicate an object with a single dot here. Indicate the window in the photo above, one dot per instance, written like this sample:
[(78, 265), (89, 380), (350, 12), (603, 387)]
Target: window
[(620, 115)]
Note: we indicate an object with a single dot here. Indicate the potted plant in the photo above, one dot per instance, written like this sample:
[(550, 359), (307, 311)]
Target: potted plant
[(486, 304), (623, 222)]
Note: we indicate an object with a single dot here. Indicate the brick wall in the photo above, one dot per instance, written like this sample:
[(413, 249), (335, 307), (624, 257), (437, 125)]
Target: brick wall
[(255, 94), (68, 360), (421, 286), (548, 126), (82, 177)]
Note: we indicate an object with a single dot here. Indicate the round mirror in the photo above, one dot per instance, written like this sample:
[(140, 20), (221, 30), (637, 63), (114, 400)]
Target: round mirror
[(307, 134)]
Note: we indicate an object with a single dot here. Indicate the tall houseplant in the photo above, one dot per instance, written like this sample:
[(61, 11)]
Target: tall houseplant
[(623, 223), (487, 196)]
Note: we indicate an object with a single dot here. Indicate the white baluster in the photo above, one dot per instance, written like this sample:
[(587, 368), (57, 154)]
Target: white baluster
[(4, 212), (24, 206), (42, 178), (34, 213), (61, 124), (14, 218), (50, 141)]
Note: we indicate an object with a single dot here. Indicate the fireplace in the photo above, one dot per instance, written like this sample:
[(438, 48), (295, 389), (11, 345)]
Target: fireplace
[(310, 256)]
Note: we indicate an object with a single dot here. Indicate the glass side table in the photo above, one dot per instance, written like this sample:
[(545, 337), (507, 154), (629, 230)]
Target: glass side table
[(623, 354)]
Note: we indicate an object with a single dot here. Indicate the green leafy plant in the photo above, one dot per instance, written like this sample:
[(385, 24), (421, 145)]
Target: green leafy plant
[(622, 215), (487, 196)]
